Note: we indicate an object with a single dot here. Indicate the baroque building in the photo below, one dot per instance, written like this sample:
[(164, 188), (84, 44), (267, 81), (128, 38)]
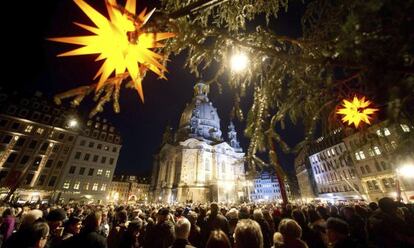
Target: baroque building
[(195, 164)]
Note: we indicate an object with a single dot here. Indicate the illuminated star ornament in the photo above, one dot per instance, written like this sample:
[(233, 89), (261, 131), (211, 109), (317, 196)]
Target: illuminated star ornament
[(356, 111), (123, 45)]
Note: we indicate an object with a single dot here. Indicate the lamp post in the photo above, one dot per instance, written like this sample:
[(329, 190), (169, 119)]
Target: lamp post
[(239, 62), (406, 170)]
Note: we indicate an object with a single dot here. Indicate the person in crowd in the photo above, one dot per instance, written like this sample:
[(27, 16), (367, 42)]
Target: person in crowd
[(233, 217), (89, 236), (130, 237), (72, 227), (8, 223), (18, 238), (118, 230), (162, 234), (182, 231), (218, 239), (317, 225), (248, 235), (356, 224), (312, 239), (264, 227), (338, 234), (214, 221), (291, 233), (387, 229), (55, 220), (37, 235), (195, 232), (269, 219)]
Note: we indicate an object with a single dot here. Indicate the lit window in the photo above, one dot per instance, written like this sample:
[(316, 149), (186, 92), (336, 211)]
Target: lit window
[(40, 131), (87, 186), (379, 133), (107, 173), (76, 185), (393, 144), (333, 151), (95, 187), (387, 132), (377, 150), (66, 185), (362, 155), (28, 128), (405, 128), (371, 152), (357, 156), (99, 173), (103, 187), (329, 153)]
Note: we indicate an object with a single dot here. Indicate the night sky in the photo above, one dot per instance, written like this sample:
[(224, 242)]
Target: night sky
[(30, 64)]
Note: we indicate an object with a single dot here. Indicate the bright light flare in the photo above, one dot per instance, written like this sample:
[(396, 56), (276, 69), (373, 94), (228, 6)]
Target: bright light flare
[(239, 62), (356, 111), (406, 171), (73, 123)]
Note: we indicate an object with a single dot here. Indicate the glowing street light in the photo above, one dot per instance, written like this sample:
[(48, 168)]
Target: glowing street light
[(239, 62), (407, 171), (73, 123)]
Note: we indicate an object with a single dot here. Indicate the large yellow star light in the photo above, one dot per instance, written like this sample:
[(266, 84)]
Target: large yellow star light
[(121, 42), (356, 111)]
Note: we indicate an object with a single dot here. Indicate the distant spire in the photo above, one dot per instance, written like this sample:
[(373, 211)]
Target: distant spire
[(232, 134)]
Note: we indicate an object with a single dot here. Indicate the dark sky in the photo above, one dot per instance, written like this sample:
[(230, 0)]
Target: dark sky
[(31, 64)]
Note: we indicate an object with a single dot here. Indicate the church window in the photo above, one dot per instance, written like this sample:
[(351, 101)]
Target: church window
[(207, 165)]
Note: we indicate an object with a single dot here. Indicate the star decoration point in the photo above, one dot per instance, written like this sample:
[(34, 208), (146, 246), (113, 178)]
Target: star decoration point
[(120, 42)]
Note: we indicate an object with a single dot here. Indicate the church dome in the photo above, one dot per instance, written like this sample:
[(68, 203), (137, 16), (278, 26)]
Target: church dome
[(199, 118)]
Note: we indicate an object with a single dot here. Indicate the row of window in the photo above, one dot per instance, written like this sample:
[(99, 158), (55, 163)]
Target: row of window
[(329, 165), (99, 146), (95, 158), (86, 186), (336, 177), (339, 188), (378, 166), (334, 151), (386, 182), (99, 172)]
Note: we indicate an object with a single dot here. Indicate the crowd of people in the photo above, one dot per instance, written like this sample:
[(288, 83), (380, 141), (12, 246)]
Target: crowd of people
[(267, 225)]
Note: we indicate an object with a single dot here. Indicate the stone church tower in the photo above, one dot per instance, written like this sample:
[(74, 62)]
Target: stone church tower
[(195, 164)]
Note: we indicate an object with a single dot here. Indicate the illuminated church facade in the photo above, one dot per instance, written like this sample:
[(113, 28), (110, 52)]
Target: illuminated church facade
[(194, 163)]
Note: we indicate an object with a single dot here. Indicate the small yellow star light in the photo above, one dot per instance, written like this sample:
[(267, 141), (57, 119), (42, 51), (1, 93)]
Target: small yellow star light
[(121, 42), (356, 111)]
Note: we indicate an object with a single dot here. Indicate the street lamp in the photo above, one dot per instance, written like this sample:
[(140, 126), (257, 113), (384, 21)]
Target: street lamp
[(407, 171), (72, 123), (239, 62)]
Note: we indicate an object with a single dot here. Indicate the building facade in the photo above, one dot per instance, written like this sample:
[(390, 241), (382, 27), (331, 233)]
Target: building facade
[(333, 169), (374, 155), (195, 164), (48, 155), (36, 143), (305, 176), (129, 189), (266, 188), (91, 164)]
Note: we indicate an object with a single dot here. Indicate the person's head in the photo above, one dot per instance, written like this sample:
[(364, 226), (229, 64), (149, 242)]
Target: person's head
[(277, 239), (122, 216), (182, 228), (387, 205), (348, 212), (313, 215), (163, 214), (92, 222), (192, 217), (299, 217), (218, 239), (290, 229), (373, 206), (30, 218), (8, 212), (333, 210), (55, 218), (37, 234), (257, 214), (73, 225), (214, 208), (248, 234), (336, 229)]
